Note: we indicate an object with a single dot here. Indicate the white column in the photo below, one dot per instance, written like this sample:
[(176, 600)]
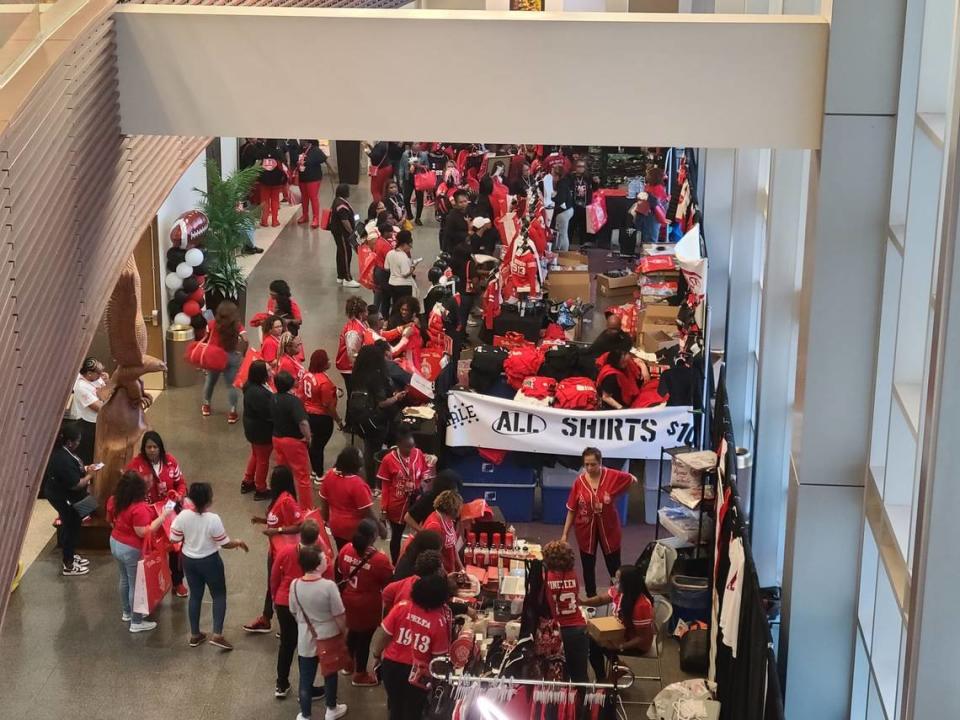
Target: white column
[(716, 198), (779, 328)]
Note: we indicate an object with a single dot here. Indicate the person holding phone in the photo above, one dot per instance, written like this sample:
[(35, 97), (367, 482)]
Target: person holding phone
[(402, 266), (66, 484)]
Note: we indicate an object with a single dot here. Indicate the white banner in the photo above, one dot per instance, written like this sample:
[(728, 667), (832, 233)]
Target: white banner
[(492, 422)]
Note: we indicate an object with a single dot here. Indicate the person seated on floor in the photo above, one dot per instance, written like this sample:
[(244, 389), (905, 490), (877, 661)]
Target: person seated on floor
[(612, 337), (633, 607), (619, 379)]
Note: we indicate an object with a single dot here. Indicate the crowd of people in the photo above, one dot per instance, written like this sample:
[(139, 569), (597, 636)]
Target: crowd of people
[(341, 603)]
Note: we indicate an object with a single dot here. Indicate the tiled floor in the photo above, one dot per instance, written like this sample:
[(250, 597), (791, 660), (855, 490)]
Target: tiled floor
[(65, 652)]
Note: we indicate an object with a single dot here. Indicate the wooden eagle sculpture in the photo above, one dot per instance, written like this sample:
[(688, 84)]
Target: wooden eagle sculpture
[(121, 421)]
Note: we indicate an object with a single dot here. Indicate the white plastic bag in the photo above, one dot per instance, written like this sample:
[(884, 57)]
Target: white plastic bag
[(668, 700), (661, 565)]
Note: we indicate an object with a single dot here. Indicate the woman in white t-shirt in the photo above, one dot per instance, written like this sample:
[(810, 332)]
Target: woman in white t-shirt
[(86, 404), (315, 603), (401, 267), (202, 535)]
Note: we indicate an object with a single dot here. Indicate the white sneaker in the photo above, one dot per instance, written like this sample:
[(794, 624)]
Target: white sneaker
[(350, 284), (125, 617), (142, 626), (74, 570), (336, 713), (81, 561), (339, 282)]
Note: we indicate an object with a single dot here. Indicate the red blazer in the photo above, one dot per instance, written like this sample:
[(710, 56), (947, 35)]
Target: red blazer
[(159, 487)]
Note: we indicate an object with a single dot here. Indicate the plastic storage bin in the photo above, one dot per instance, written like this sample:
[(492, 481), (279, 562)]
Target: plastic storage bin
[(475, 469)]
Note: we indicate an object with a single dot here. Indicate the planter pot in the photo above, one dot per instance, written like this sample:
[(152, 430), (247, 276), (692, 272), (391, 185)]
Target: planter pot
[(214, 298)]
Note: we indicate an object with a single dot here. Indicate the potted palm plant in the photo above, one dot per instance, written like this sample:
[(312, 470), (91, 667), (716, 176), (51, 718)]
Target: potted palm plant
[(230, 225)]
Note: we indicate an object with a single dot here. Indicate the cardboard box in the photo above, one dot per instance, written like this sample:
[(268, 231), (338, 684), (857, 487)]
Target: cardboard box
[(687, 468), (606, 631), (571, 259), (617, 286), (659, 317), (653, 340), (563, 284)]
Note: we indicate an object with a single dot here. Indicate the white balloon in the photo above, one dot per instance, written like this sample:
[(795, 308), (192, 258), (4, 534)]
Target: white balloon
[(194, 257), (208, 314), (181, 319), (173, 282), (184, 270)]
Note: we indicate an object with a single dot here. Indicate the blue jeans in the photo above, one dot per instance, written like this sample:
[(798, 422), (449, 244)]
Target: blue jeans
[(229, 375), (563, 217), (206, 572), (127, 559), (308, 673)]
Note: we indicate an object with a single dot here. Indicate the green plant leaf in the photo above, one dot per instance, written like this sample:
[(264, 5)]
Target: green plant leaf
[(229, 225)]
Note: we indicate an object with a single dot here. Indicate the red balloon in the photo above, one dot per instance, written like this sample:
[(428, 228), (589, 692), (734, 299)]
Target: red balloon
[(197, 296), (191, 308)]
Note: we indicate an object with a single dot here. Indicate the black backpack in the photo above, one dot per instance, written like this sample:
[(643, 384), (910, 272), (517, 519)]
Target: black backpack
[(486, 367), (362, 413), (561, 362)]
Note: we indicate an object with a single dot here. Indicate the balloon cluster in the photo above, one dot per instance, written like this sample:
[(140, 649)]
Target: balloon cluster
[(186, 272)]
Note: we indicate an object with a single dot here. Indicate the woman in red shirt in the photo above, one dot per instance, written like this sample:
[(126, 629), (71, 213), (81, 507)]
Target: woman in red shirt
[(445, 519), (270, 330), (286, 568), (225, 331), (402, 473), (345, 498), (563, 593), (633, 606), (132, 520), (284, 517), (291, 348), (351, 337), (364, 573), (592, 514), (411, 635), (161, 472), (320, 402), (281, 304)]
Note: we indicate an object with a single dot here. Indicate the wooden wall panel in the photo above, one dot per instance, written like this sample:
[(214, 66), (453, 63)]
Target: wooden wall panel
[(75, 195)]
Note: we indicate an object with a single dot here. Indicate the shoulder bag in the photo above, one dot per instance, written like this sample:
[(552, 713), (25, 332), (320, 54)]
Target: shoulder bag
[(332, 653)]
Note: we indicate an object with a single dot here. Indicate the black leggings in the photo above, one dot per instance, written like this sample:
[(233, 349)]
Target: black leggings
[(358, 643), (268, 599), (576, 648), (396, 538), (321, 428), (589, 563), (288, 645), (404, 701), (408, 192), (344, 256)]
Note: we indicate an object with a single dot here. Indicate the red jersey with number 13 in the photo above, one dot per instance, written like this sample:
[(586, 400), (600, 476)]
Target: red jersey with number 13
[(416, 634), (562, 592)]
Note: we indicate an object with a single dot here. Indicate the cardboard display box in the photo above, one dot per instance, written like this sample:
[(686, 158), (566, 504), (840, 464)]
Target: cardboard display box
[(572, 259), (659, 317), (563, 284), (616, 286), (606, 631), (655, 339)]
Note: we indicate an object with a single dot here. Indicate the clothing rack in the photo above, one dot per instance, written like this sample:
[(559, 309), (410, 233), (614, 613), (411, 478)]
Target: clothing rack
[(452, 678)]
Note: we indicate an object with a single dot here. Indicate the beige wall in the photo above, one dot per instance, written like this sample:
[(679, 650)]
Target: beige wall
[(75, 196)]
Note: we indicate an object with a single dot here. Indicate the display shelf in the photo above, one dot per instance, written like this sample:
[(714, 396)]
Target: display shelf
[(934, 126), (897, 234), (908, 399)]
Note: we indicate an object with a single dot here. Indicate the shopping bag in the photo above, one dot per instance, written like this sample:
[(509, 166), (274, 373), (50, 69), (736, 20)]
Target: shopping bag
[(596, 215), (425, 181), (153, 576), (241, 379), (325, 215), (367, 262), (660, 567), (206, 356)]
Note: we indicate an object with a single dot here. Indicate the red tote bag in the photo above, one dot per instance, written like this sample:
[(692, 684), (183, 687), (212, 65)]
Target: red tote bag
[(206, 356), (325, 215), (153, 576), (241, 379), (425, 181)]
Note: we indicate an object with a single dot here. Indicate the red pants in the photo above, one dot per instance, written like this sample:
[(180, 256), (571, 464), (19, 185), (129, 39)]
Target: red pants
[(270, 200), (294, 454), (379, 181), (310, 198), (258, 465)]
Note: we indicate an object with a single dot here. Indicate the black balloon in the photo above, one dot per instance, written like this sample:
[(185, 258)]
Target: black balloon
[(175, 256), (190, 285), (181, 296), (201, 269), (198, 322), (173, 307)]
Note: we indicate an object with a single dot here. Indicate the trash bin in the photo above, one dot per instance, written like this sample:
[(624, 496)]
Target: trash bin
[(180, 373)]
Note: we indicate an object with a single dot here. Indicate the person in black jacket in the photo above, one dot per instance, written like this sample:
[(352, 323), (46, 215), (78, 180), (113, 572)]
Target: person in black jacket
[(455, 228), (258, 429), (65, 483), (581, 187), (272, 180), (310, 169)]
